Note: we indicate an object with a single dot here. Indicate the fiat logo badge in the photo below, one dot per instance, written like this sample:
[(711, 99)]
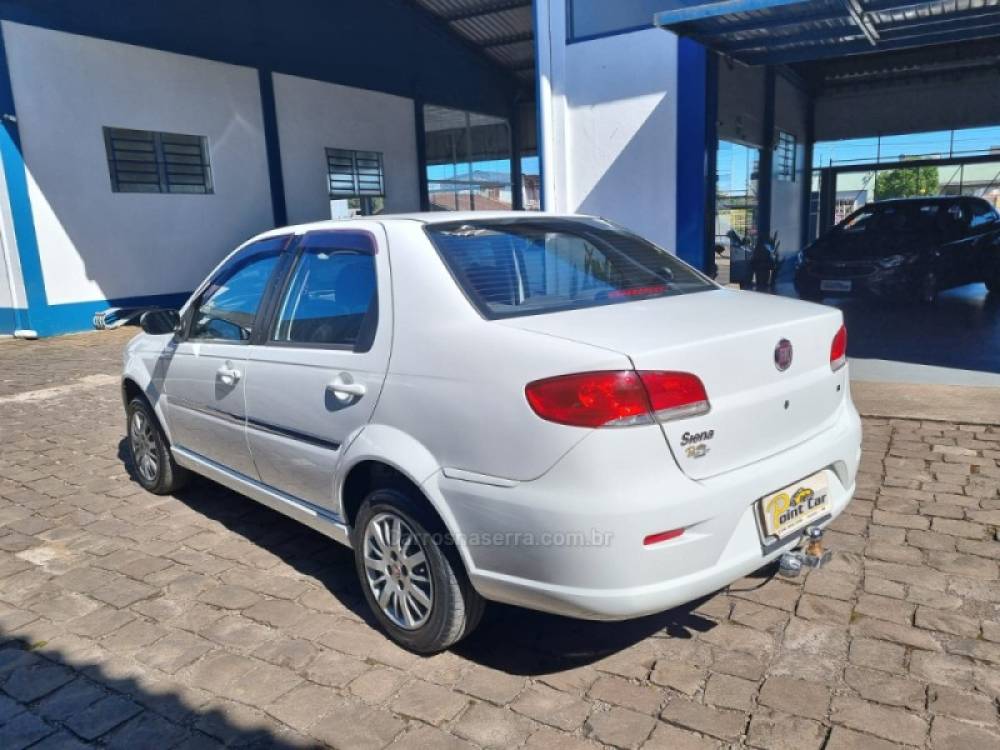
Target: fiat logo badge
[(783, 355)]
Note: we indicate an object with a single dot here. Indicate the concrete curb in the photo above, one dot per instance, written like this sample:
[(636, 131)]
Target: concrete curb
[(939, 403)]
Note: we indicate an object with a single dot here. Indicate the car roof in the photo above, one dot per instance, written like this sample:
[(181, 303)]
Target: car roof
[(928, 199), (423, 217)]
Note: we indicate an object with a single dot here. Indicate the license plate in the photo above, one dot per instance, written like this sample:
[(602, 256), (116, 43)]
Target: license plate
[(834, 285), (788, 510)]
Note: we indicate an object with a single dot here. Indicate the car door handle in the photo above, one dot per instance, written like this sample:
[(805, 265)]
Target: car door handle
[(229, 375), (344, 389)]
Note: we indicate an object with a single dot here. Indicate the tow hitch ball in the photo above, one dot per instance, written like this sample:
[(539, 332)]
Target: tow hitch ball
[(812, 555)]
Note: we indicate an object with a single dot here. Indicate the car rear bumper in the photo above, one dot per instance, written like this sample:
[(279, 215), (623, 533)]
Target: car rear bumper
[(571, 541)]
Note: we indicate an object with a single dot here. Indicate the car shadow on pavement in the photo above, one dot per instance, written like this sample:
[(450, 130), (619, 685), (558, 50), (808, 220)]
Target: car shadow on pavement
[(59, 699), (528, 643), (511, 639)]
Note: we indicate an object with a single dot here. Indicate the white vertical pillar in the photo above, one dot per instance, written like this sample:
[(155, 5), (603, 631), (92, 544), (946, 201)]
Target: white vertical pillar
[(550, 52)]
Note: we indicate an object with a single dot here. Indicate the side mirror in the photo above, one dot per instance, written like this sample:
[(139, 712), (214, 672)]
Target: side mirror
[(159, 322)]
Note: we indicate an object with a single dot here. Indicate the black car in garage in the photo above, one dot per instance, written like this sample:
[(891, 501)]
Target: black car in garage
[(908, 248)]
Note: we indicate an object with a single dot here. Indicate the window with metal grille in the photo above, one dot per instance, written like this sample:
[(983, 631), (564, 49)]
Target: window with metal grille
[(355, 174), (784, 157), (145, 161)]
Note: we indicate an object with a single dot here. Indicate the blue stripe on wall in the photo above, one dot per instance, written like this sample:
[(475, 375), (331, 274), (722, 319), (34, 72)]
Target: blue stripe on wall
[(692, 67), (75, 316), (8, 319), (20, 203)]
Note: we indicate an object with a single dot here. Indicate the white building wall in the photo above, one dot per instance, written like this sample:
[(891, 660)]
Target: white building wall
[(741, 103), (610, 125), (96, 244), (790, 115), (314, 116)]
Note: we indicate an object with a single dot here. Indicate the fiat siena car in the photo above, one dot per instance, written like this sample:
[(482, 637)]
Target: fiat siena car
[(542, 410)]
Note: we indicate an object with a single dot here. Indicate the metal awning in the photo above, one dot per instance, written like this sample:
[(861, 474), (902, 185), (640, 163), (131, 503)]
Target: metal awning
[(759, 32), (502, 29)]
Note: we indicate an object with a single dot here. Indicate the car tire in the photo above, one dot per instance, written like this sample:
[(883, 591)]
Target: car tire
[(993, 285), (153, 464), (428, 606), (928, 291)]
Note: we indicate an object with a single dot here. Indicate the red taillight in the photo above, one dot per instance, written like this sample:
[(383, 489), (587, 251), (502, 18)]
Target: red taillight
[(663, 536), (675, 394), (838, 349), (617, 398)]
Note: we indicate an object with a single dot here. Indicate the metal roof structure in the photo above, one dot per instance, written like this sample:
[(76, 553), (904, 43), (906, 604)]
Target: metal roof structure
[(502, 29), (759, 32)]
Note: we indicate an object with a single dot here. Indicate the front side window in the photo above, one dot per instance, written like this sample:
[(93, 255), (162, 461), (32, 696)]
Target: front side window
[(522, 266), (226, 309), (332, 298)]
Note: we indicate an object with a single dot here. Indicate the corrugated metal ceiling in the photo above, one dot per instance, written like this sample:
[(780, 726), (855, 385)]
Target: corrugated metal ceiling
[(789, 31), (502, 29)]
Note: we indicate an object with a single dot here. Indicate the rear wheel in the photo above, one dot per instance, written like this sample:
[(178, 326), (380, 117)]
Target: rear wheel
[(411, 573), (152, 463)]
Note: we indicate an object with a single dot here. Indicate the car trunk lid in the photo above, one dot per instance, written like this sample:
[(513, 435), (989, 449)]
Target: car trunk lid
[(728, 339)]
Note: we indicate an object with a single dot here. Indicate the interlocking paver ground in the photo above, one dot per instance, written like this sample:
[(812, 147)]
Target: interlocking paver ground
[(201, 620)]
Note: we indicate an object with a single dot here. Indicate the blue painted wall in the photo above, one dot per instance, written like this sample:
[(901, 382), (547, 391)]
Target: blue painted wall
[(380, 45), (692, 151)]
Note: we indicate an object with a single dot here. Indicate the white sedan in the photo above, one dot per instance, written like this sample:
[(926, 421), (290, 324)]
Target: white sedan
[(542, 410)]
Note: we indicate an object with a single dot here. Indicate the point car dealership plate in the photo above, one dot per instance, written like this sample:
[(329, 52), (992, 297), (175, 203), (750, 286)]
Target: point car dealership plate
[(791, 508)]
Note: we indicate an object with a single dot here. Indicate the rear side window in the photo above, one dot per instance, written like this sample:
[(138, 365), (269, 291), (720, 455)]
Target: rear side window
[(331, 300), (529, 266)]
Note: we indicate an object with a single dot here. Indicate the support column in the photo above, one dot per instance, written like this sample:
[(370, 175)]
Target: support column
[(765, 171), (279, 207), (517, 189), (827, 198), (697, 141), (418, 120), (711, 155), (807, 158)]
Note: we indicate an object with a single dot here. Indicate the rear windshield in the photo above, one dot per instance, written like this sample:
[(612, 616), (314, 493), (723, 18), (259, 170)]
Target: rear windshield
[(528, 266)]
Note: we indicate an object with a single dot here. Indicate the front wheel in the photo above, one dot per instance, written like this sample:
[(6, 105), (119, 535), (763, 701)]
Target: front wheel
[(152, 462), (411, 573), (993, 284)]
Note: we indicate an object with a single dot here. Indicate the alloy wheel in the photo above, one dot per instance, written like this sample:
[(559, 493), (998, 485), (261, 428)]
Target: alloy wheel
[(144, 450), (397, 572)]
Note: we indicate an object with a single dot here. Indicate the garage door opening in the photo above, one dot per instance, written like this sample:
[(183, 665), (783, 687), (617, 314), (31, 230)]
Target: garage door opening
[(847, 104)]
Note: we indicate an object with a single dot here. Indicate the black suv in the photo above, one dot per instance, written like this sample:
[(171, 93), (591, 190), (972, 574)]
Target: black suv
[(907, 248)]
